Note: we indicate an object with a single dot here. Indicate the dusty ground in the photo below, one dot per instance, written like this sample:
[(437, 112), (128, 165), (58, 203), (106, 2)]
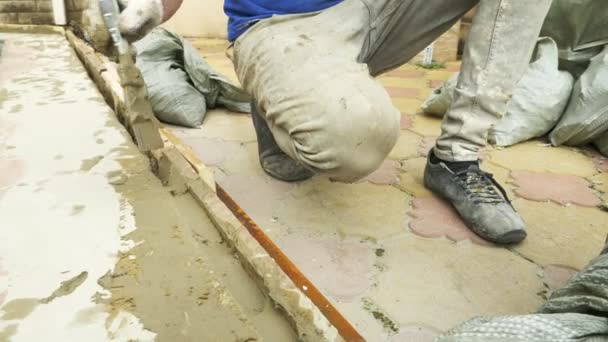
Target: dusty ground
[(92, 247), (397, 261)]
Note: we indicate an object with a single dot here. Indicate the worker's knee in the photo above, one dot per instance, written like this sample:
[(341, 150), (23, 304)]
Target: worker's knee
[(356, 133)]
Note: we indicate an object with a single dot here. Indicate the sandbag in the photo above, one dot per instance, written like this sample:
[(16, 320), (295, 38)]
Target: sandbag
[(181, 85), (570, 327), (172, 96), (580, 28), (439, 101), (538, 100), (218, 90), (586, 117)]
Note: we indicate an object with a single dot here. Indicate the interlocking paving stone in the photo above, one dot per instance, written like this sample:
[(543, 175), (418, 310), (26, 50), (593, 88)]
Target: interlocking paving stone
[(562, 189)]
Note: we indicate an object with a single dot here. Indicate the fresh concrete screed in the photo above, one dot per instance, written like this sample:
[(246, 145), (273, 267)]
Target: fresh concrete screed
[(96, 246)]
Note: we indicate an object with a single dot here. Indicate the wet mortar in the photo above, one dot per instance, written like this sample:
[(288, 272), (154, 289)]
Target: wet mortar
[(179, 278), (185, 268)]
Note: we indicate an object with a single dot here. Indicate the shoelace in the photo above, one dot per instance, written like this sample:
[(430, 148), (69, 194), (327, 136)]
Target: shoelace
[(481, 186)]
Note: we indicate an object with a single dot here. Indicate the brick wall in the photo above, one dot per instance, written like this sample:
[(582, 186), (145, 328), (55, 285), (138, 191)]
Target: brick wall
[(38, 12)]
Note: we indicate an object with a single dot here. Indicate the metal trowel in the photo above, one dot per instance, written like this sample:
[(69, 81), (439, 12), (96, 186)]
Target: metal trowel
[(137, 114)]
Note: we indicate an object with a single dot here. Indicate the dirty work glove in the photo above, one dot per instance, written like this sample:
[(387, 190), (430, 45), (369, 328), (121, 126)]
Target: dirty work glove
[(140, 16)]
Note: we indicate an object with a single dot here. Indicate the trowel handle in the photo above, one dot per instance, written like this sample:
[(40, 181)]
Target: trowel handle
[(109, 11)]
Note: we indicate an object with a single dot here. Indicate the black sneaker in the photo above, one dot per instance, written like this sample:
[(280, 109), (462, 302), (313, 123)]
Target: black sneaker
[(473, 193), (273, 160)]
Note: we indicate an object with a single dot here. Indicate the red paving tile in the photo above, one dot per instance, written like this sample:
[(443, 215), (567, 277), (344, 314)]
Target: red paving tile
[(561, 189), (435, 218), (387, 174), (556, 276), (435, 83), (406, 121), (453, 68), (344, 269)]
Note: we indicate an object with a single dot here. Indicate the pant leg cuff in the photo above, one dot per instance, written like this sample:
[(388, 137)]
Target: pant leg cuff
[(449, 156)]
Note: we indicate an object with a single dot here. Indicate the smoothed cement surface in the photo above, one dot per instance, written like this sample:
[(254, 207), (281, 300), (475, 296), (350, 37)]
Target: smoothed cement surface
[(379, 250), (92, 247)]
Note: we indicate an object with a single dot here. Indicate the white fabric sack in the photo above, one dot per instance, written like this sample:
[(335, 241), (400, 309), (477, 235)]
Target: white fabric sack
[(586, 117), (439, 101), (538, 100)]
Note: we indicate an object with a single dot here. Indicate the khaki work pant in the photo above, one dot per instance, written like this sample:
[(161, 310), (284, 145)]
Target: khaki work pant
[(312, 76)]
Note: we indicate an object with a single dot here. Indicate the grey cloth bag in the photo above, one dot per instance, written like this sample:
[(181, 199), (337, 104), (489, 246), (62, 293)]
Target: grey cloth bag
[(181, 85), (439, 101), (586, 117), (537, 103), (580, 28), (576, 312)]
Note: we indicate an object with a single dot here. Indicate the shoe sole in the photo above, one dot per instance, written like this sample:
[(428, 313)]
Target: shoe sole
[(512, 237), (290, 179)]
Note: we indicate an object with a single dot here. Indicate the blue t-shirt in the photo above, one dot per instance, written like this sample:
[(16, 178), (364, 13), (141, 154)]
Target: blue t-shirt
[(242, 14)]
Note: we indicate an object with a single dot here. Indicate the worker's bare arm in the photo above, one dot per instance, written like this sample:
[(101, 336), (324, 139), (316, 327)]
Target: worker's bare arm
[(141, 16)]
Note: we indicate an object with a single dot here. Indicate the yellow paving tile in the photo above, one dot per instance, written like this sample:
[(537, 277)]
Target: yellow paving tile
[(536, 156), (438, 283), (561, 235), (225, 125), (388, 81), (426, 125), (406, 147), (407, 106), (439, 74), (360, 210), (424, 93), (411, 179)]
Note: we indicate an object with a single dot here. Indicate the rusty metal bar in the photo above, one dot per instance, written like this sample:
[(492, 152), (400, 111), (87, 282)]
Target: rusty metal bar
[(345, 329)]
